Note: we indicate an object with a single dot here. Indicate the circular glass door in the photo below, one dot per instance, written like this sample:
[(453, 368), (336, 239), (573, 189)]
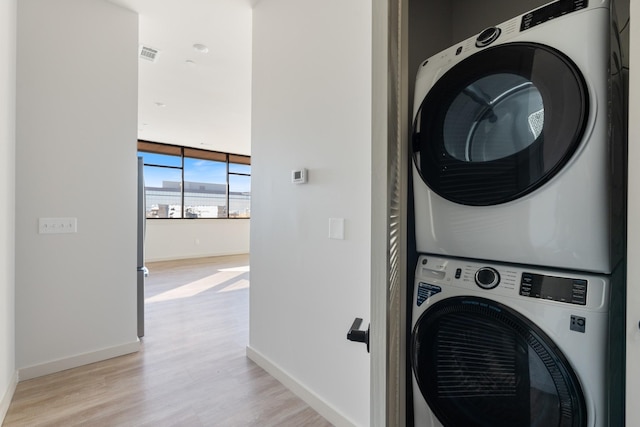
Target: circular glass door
[(500, 124), (479, 363)]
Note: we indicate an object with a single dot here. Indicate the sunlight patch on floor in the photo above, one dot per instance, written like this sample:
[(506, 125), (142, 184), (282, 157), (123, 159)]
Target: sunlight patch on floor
[(243, 268), (236, 286), (202, 285)]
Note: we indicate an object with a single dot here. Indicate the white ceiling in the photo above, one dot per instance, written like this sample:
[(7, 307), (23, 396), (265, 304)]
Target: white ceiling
[(206, 102)]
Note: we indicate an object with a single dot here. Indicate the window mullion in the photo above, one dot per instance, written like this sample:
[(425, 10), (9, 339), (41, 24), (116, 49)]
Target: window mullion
[(182, 184), (228, 202)]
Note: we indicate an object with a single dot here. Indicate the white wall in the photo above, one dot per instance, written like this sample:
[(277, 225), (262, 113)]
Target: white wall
[(176, 238), (312, 109), (7, 201), (75, 157)]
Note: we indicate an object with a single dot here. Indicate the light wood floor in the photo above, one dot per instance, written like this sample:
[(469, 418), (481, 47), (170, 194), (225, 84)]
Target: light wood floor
[(192, 369)]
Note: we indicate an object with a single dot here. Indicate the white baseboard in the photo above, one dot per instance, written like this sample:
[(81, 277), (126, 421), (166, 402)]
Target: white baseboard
[(193, 256), (78, 360), (312, 399), (8, 395)]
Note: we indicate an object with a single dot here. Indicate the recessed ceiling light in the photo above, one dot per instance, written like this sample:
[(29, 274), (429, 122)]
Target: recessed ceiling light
[(201, 48)]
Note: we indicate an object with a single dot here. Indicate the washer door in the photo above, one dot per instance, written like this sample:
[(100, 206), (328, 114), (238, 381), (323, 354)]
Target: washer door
[(500, 124), (479, 363)]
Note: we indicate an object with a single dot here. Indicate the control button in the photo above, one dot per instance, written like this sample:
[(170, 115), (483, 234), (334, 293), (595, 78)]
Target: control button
[(525, 290), (487, 37), (458, 273), (458, 50), (579, 292), (487, 277)]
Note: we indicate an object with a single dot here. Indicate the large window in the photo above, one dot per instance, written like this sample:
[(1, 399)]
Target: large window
[(183, 182)]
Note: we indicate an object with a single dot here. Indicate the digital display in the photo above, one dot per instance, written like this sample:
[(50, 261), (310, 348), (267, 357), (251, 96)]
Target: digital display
[(553, 10), (554, 288)]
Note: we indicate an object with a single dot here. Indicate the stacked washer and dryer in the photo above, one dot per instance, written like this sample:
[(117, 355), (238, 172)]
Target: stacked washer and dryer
[(519, 186)]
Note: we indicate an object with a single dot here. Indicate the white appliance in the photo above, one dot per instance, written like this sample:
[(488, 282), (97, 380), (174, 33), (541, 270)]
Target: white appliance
[(519, 144), (503, 345)]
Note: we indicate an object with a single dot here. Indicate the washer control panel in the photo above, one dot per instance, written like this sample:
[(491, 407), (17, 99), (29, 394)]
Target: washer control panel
[(437, 275), (554, 288)]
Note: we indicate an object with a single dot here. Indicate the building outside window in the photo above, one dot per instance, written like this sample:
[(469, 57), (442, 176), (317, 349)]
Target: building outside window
[(183, 182)]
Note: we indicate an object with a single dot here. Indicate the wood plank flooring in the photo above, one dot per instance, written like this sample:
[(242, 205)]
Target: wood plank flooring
[(192, 370)]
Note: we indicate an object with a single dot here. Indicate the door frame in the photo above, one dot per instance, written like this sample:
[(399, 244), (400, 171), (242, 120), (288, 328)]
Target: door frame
[(389, 163), (389, 43)]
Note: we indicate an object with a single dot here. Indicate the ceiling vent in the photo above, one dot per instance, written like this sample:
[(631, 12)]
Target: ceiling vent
[(148, 53)]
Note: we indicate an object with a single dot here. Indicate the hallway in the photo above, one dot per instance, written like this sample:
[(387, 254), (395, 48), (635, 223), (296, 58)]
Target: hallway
[(191, 370)]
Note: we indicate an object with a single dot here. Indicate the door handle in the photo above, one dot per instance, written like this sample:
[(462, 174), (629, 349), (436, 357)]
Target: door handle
[(357, 335)]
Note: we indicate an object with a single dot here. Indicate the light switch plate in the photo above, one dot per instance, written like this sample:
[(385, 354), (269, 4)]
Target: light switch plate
[(336, 228), (57, 225)]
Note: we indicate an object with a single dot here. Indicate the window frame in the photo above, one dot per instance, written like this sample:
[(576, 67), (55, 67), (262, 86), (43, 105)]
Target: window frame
[(196, 153)]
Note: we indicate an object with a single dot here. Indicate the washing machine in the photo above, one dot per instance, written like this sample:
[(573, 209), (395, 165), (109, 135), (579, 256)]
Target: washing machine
[(519, 144), (509, 346)]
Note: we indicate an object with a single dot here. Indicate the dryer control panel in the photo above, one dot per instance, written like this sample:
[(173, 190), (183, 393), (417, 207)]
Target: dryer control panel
[(550, 11)]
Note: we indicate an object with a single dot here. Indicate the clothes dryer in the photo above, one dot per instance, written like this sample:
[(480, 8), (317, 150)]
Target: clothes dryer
[(518, 142), (502, 345)]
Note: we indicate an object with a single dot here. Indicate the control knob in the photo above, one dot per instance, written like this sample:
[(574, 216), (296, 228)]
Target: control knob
[(487, 277), (487, 37)]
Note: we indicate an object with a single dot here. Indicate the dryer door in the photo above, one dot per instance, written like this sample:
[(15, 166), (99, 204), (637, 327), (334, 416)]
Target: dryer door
[(479, 363), (500, 124)]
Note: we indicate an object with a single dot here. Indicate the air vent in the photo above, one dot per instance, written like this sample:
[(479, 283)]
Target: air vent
[(148, 53)]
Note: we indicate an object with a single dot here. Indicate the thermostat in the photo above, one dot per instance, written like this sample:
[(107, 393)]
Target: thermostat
[(299, 176)]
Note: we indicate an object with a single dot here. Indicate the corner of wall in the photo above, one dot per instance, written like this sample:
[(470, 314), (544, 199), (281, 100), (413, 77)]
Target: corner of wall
[(312, 399), (8, 396), (8, 31)]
